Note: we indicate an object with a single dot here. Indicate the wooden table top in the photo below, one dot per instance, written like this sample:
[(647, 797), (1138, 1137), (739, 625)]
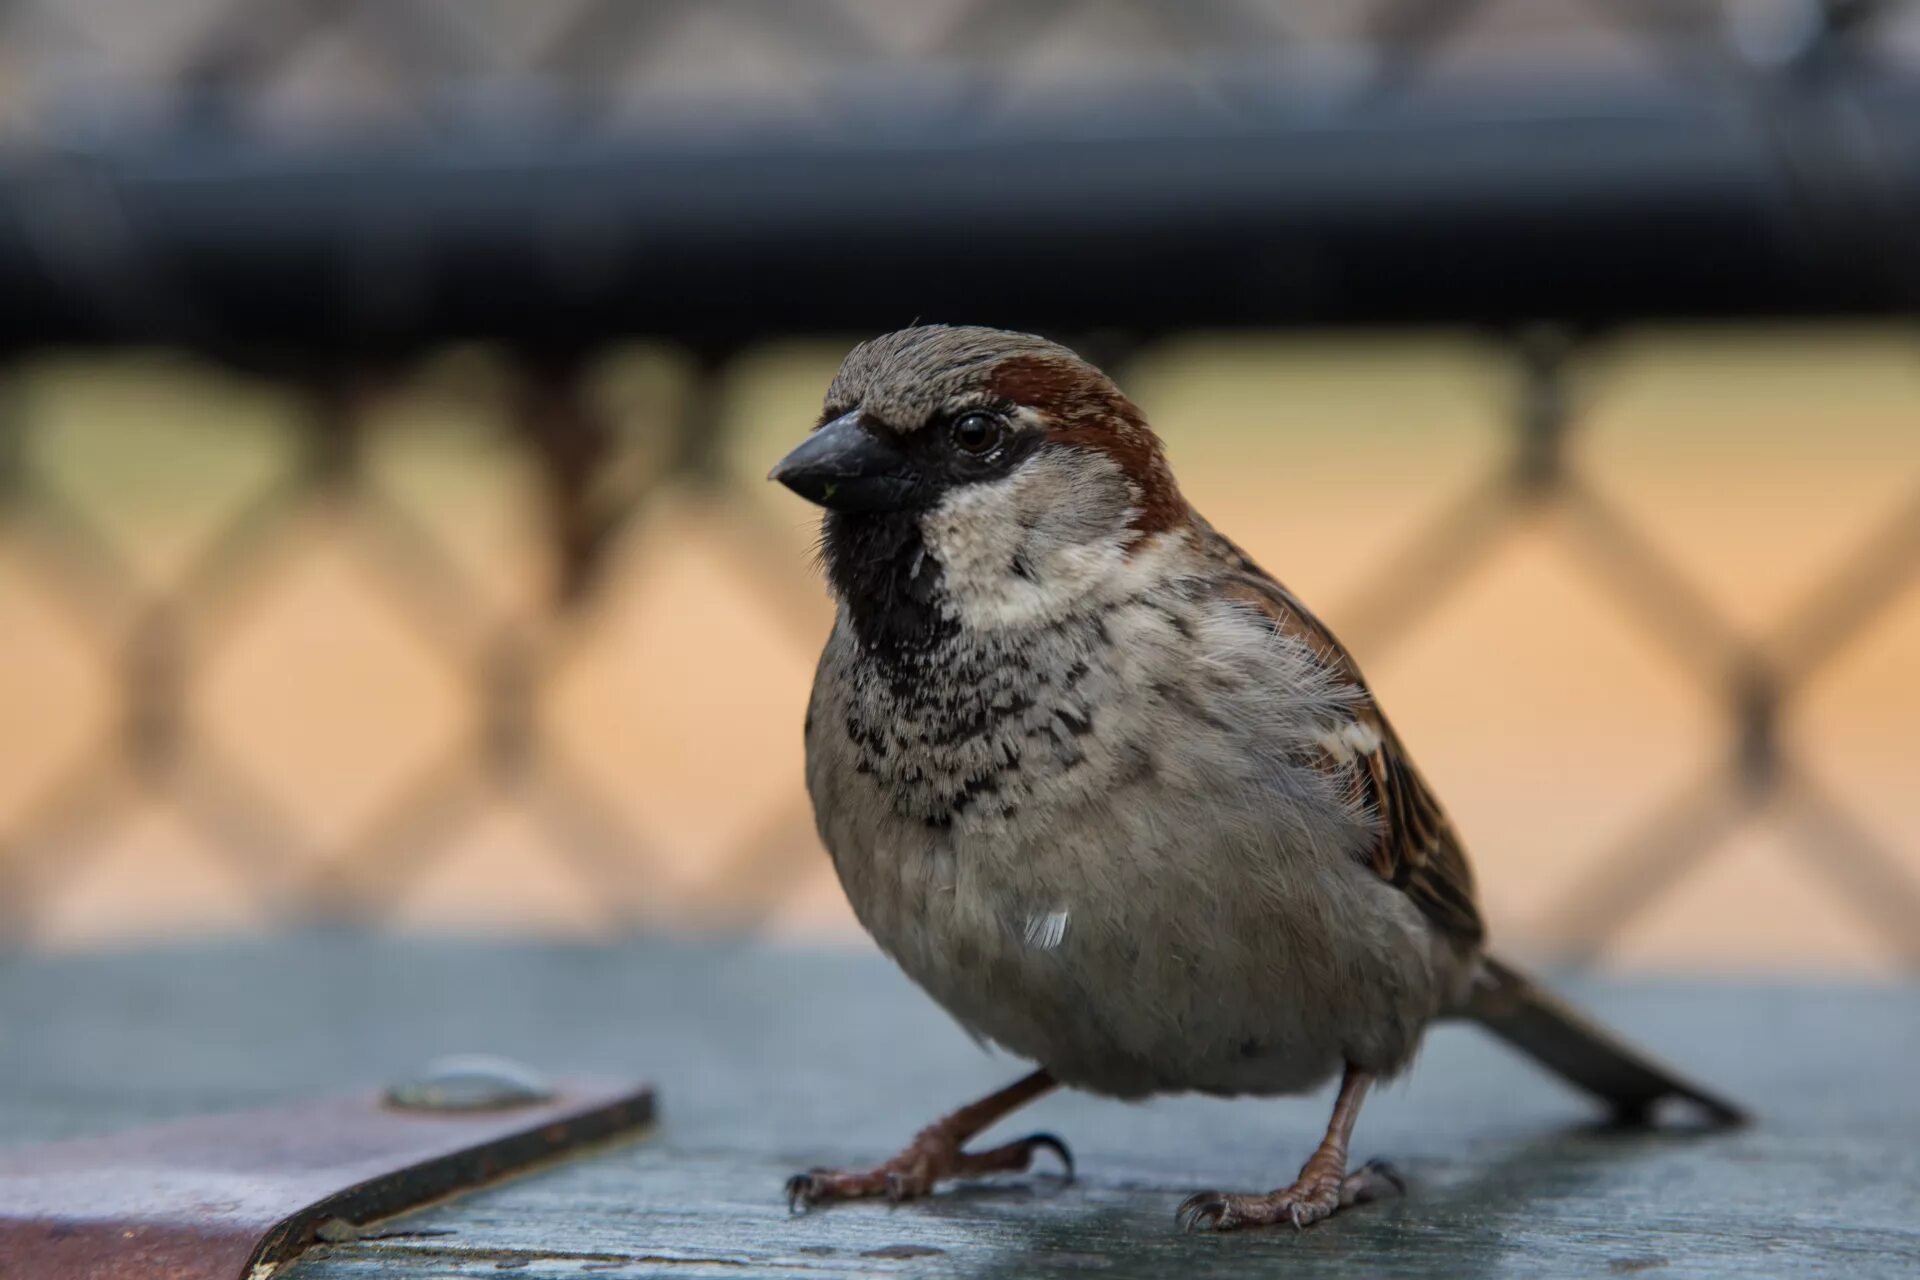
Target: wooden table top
[(771, 1060)]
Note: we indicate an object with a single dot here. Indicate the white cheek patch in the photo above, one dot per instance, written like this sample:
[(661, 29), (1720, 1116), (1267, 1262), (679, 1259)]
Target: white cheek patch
[(1047, 930), (1033, 546)]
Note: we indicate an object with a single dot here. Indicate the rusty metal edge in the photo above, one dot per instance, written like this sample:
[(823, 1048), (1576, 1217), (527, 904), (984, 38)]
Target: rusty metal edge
[(447, 1177)]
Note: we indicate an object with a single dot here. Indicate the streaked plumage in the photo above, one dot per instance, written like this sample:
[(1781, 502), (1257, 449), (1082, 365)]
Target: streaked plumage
[(1102, 786)]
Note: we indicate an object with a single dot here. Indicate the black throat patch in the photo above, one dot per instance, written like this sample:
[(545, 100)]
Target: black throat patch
[(881, 570)]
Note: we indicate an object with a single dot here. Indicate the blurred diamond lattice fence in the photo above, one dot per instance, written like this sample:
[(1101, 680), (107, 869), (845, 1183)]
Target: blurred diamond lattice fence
[(161, 640)]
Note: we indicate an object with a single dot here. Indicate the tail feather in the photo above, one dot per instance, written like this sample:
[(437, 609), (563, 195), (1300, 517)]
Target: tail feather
[(1564, 1040)]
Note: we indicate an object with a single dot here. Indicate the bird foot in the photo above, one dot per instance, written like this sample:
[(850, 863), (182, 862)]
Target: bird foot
[(930, 1158), (1320, 1193)]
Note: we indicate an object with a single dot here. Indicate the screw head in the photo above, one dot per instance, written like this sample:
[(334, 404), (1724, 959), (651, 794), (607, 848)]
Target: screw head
[(470, 1082)]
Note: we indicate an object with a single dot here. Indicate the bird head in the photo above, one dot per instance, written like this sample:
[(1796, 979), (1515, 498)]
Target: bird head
[(999, 468), (923, 416)]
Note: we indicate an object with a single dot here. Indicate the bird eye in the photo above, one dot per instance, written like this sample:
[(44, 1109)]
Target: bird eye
[(976, 432)]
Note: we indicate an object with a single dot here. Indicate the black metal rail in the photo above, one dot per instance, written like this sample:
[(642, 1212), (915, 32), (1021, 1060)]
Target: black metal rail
[(1786, 198)]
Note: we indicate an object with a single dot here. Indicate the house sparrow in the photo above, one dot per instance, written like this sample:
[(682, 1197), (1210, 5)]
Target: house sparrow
[(1110, 793)]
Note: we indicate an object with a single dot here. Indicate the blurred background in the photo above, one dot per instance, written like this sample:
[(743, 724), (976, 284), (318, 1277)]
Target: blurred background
[(386, 387)]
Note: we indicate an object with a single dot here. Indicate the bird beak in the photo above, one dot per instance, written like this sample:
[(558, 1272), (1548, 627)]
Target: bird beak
[(848, 466)]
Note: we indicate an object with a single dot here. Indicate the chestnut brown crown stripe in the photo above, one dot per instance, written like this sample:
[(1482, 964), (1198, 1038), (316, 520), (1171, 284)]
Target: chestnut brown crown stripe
[(1088, 411)]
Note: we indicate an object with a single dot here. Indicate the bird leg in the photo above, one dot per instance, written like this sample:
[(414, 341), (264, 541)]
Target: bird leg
[(935, 1154), (1324, 1185)]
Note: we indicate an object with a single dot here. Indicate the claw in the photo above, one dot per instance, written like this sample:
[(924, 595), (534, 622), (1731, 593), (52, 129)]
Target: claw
[(1055, 1145), (1374, 1180), (1381, 1169), (1202, 1210), (799, 1193)]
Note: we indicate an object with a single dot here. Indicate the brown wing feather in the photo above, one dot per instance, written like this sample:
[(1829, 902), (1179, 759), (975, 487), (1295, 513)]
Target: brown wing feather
[(1418, 852)]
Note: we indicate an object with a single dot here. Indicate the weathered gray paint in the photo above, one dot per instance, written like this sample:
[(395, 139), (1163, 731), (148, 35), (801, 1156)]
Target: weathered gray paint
[(768, 1061)]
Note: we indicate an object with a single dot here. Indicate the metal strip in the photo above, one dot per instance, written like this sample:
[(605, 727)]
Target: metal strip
[(235, 1197)]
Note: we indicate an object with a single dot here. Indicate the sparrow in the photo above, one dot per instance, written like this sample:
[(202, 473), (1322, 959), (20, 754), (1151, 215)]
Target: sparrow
[(1111, 794)]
